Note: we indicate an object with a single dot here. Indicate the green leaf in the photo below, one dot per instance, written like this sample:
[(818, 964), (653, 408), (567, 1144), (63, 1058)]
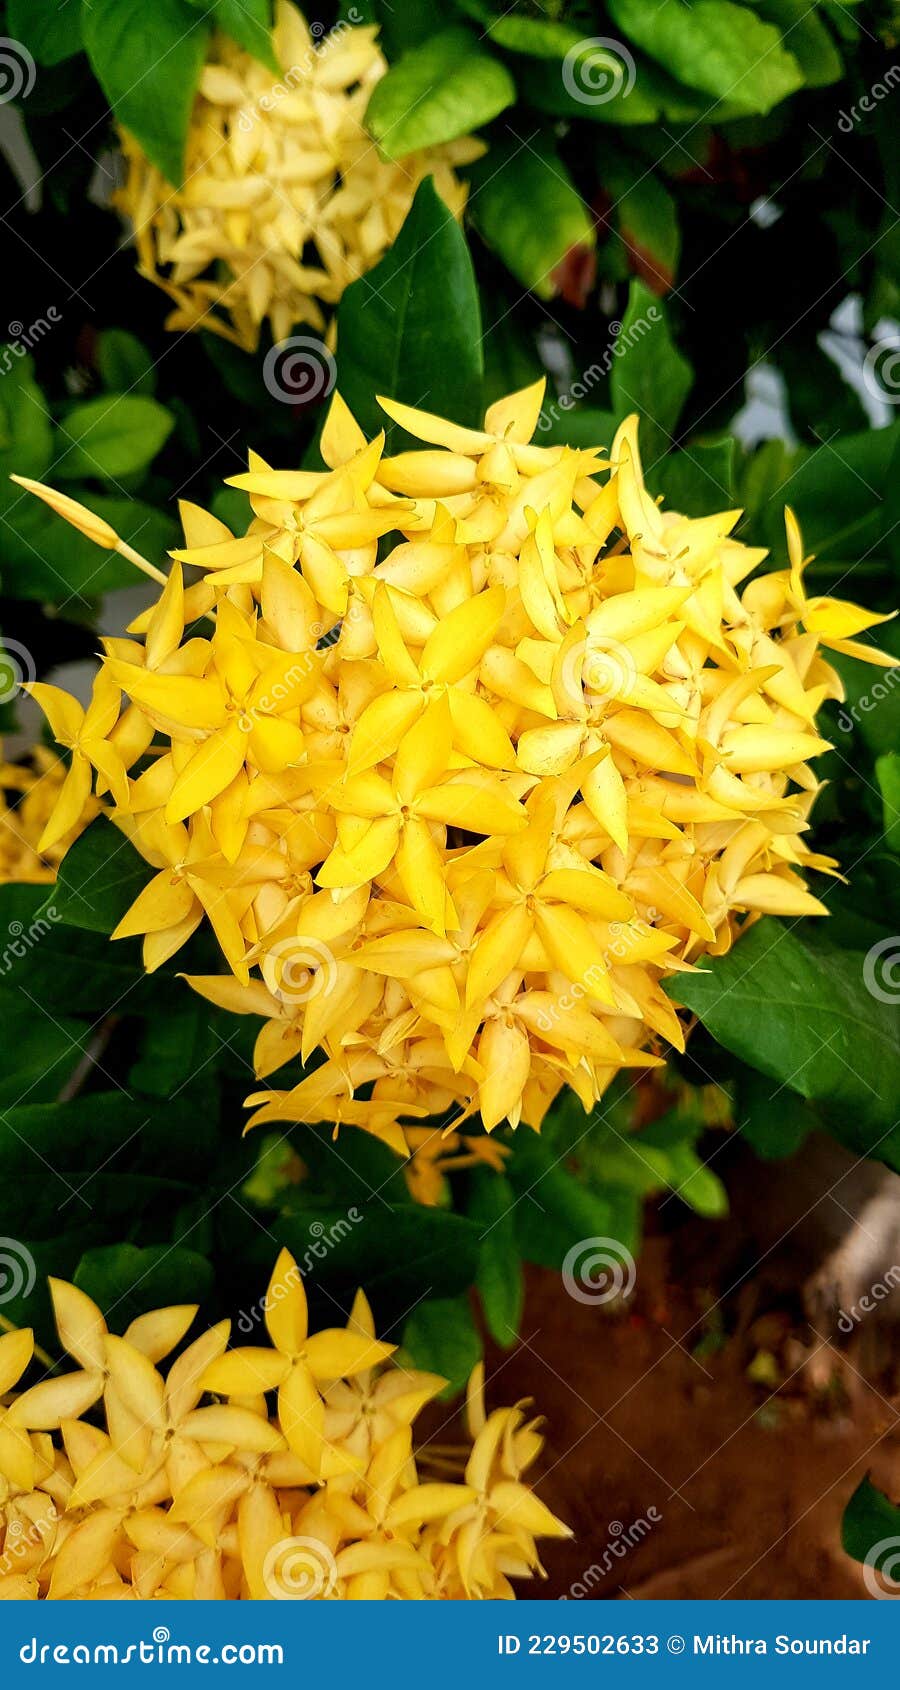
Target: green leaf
[(44, 558), (555, 1211), (871, 1521), (887, 770), (499, 1280), (647, 220), (872, 696), (775, 1122), (398, 1251), (113, 436), (126, 1281), (808, 39), (62, 971), (411, 328), (174, 1047), (527, 209), (543, 38), (585, 426), (836, 491), (249, 23), (43, 1053), (698, 480), (444, 88), (26, 431), (801, 1012), (148, 60), (49, 29), (99, 878), (440, 1336), (26, 1300), (649, 374), (721, 48), (124, 363)]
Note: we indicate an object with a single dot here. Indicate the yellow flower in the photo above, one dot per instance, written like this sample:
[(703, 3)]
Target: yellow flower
[(456, 808), (296, 1364), (286, 199), (38, 782), (181, 1495)]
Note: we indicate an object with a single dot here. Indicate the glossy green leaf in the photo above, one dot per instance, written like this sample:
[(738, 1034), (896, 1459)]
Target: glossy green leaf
[(99, 879), (124, 363), (411, 328), (43, 557), (112, 436), (500, 1282), (806, 1015), (26, 431), (808, 39), (49, 29), (721, 48), (871, 1524), (774, 1121), (644, 214), (649, 374), (126, 1281), (148, 60), (542, 38), (440, 1336), (887, 770), (249, 23), (526, 207), (699, 479), (448, 86)]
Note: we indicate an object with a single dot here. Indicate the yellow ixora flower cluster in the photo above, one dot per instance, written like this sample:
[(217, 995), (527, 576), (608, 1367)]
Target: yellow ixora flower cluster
[(29, 792), (455, 811), (193, 1488), (286, 198)]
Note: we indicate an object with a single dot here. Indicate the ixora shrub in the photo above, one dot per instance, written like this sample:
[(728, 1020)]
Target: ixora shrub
[(708, 148), (185, 1493), (285, 199), (458, 809)]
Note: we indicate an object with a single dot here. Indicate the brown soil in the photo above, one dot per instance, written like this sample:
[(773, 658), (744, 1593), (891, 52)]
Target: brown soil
[(740, 1485)]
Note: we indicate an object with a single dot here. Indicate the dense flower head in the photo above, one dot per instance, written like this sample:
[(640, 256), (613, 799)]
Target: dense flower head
[(29, 791), (286, 198), (460, 752), (283, 1470)]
